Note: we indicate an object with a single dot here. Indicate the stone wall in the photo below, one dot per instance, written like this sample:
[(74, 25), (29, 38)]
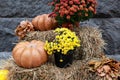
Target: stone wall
[(30, 8), (14, 11)]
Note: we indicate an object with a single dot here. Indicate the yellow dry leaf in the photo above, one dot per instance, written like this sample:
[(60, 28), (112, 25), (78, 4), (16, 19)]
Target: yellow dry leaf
[(97, 64), (92, 62)]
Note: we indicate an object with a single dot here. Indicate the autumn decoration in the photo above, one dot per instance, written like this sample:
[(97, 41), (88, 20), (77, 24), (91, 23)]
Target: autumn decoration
[(43, 22), (29, 54), (23, 28), (71, 12), (57, 38), (106, 68)]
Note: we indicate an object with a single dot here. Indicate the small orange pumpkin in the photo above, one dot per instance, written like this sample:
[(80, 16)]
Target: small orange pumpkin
[(44, 22), (29, 54)]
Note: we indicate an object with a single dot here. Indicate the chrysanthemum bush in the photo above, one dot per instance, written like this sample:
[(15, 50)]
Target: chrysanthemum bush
[(73, 10), (65, 40)]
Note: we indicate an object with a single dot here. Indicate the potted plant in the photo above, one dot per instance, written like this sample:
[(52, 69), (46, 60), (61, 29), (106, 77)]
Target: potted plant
[(69, 13), (63, 46)]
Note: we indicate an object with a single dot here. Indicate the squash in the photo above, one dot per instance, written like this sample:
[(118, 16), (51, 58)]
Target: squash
[(44, 22), (29, 54)]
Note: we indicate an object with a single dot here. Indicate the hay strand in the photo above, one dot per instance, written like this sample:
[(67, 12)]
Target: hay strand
[(77, 71)]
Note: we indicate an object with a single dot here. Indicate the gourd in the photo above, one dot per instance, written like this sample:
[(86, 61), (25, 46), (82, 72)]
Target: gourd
[(29, 54), (44, 22)]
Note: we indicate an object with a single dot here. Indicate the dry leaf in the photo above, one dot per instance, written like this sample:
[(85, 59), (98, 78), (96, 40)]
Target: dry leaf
[(99, 70), (102, 74), (112, 74), (92, 62), (108, 77), (117, 66), (106, 68), (97, 64), (23, 28)]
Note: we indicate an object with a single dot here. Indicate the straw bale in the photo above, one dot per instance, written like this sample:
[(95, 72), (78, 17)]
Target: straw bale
[(92, 43), (77, 71)]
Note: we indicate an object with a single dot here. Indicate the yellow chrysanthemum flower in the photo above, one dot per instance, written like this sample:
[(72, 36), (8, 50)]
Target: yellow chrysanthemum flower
[(3, 74), (64, 41), (61, 60)]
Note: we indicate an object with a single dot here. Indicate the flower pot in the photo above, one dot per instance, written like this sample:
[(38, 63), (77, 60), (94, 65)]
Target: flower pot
[(69, 25), (62, 60)]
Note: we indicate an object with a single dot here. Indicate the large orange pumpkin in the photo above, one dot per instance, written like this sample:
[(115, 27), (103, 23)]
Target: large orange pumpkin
[(44, 22), (29, 54)]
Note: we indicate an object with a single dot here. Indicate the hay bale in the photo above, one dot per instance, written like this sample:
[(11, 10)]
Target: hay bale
[(92, 43), (40, 35), (77, 71), (92, 46)]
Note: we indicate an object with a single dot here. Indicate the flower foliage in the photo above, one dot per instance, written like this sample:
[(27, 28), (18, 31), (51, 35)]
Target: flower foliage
[(73, 10), (64, 41)]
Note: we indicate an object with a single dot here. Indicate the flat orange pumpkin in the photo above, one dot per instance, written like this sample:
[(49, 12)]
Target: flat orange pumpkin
[(29, 54)]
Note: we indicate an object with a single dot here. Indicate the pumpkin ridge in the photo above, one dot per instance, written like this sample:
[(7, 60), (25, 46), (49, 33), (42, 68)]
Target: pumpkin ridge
[(37, 22), (40, 54), (21, 55), (45, 56), (19, 59), (31, 51), (22, 58), (17, 48), (31, 57), (44, 21)]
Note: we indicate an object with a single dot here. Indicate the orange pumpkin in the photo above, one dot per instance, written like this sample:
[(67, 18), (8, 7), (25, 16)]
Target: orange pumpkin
[(44, 22), (29, 54)]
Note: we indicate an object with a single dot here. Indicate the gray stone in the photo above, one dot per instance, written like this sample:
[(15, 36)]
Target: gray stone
[(116, 57), (23, 8), (30, 8), (108, 8), (110, 28), (6, 41), (5, 55), (7, 36)]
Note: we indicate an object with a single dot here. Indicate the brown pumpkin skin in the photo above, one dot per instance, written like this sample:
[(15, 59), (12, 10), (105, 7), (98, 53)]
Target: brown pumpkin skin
[(29, 54), (44, 23)]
